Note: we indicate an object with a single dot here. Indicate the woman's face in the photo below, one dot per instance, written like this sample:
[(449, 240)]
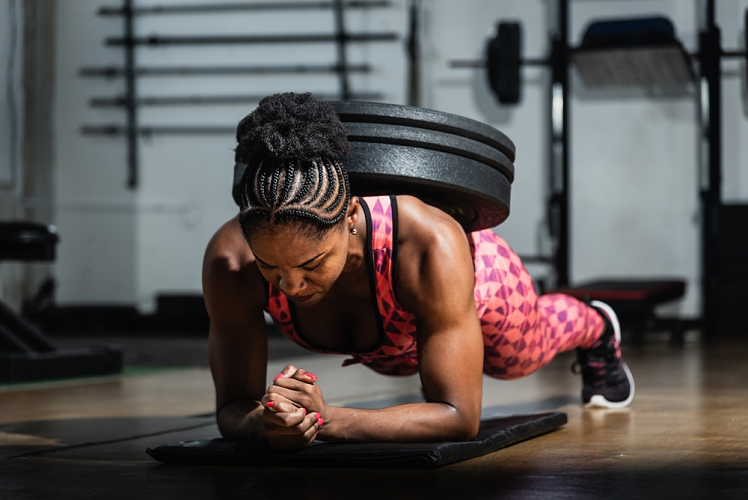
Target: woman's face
[(303, 268)]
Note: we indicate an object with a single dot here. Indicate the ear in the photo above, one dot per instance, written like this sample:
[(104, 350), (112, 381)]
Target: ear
[(351, 215)]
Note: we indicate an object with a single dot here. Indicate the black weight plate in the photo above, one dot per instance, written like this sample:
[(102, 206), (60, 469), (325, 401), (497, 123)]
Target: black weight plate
[(374, 112), (430, 139), (476, 195), (503, 55)]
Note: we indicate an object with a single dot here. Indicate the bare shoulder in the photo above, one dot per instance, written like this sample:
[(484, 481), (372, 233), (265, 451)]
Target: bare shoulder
[(433, 254), (424, 228), (231, 279)]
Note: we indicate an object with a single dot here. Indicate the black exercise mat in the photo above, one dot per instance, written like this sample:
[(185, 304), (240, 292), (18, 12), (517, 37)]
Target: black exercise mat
[(494, 434)]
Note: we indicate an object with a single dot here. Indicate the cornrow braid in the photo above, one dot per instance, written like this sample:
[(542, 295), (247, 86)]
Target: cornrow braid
[(287, 187), (339, 175), (305, 187), (312, 192)]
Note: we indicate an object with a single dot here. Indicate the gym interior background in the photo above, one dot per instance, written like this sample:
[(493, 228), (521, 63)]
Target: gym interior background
[(134, 212)]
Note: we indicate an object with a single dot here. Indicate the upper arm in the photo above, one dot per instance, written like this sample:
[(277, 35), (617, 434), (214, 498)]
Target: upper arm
[(436, 283), (234, 297)]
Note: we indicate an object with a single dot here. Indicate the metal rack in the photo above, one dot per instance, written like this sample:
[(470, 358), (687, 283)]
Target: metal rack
[(721, 274), (131, 100)]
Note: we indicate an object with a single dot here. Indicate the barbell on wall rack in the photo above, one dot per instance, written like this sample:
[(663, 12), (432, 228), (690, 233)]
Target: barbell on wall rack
[(115, 71), (207, 99), (238, 7), (151, 130), (157, 40)]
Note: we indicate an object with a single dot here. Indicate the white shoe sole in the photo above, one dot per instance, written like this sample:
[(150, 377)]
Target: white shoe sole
[(599, 401)]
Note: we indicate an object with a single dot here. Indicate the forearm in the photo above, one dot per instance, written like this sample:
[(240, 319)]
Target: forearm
[(241, 421), (418, 422)]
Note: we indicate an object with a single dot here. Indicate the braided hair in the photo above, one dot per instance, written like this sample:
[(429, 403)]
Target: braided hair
[(292, 145)]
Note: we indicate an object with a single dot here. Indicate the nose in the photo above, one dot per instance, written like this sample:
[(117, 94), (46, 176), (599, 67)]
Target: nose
[(291, 283)]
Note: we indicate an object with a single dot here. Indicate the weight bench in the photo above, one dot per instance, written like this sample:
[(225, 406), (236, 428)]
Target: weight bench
[(642, 52), (634, 302), (25, 352)]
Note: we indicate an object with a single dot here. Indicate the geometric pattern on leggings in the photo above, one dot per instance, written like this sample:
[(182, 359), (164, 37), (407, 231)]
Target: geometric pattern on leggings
[(521, 331)]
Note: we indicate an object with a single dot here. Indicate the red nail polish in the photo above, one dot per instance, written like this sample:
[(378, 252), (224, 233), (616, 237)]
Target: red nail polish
[(321, 421), (270, 404), (311, 375), (278, 376), (304, 410)]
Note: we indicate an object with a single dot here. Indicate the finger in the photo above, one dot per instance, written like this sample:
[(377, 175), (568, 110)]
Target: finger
[(287, 371), (311, 433), (310, 422), (297, 398), (278, 404), (293, 384), (304, 376), (288, 420)]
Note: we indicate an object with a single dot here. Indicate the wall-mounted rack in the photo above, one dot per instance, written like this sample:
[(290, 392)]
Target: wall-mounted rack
[(131, 101)]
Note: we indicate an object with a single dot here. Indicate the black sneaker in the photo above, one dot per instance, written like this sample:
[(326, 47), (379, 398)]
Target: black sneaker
[(606, 380)]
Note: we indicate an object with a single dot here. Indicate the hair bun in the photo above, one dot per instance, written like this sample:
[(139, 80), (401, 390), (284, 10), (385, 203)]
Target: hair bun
[(291, 126)]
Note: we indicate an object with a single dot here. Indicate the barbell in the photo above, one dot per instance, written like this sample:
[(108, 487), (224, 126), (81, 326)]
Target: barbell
[(459, 165)]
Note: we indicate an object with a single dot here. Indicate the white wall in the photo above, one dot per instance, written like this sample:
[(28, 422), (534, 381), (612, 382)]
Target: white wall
[(11, 136), (634, 171), (634, 166), (11, 93), (94, 211)]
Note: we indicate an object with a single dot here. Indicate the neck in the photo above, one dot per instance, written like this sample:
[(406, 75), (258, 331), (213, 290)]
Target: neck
[(355, 269)]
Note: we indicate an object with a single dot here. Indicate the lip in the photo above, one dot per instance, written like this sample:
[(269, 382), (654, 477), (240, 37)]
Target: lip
[(300, 299)]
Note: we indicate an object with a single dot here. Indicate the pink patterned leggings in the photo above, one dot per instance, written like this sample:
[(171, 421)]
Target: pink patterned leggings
[(521, 331)]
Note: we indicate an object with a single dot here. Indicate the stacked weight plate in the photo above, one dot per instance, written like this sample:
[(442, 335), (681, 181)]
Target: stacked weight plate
[(460, 165)]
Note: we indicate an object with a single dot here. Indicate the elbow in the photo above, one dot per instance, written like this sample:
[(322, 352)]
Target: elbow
[(469, 429), (466, 425), (224, 429)]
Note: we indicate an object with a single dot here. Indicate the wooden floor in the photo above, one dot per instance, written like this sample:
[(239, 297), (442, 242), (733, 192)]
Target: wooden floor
[(684, 436)]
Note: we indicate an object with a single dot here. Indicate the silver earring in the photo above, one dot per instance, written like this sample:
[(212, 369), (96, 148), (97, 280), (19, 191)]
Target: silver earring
[(354, 231)]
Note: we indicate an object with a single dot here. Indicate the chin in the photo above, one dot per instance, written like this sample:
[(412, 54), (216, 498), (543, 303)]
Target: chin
[(313, 299)]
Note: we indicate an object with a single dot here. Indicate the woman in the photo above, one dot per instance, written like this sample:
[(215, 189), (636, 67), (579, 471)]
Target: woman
[(391, 281)]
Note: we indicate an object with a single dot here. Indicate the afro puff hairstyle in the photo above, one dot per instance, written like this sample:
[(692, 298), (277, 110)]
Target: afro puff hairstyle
[(291, 126)]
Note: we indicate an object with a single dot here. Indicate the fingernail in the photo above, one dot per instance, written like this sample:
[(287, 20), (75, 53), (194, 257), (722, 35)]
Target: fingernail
[(304, 410), (270, 404), (320, 421), (278, 376), (312, 375)]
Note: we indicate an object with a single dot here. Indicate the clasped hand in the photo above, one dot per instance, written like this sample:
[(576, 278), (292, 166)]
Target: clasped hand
[(294, 407)]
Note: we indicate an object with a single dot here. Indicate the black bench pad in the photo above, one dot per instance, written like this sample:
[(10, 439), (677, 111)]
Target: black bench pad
[(494, 434)]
